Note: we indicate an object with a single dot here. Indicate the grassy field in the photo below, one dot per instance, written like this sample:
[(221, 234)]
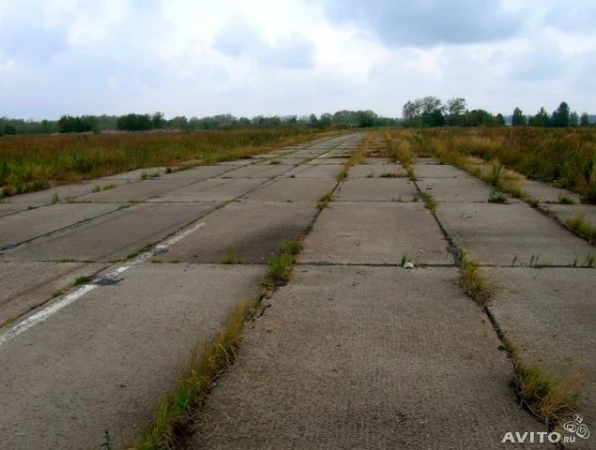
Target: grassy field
[(31, 163), (564, 157)]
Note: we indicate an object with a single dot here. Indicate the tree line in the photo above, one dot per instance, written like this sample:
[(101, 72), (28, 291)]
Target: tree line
[(432, 112), (157, 121)]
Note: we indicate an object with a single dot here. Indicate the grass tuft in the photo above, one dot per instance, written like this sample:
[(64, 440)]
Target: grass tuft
[(81, 280), (324, 201), (580, 225), (429, 202), (479, 288)]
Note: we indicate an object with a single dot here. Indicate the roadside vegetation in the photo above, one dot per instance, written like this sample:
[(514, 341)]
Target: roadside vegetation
[(30, 163)]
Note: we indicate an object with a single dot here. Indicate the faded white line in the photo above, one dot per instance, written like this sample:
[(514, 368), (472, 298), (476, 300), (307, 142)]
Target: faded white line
[(52, 309)]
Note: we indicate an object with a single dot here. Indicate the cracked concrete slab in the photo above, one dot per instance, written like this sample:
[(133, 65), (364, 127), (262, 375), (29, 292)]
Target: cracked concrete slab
[(496, 234), (7, 209), (546, 193), (376, 190), (550, 316), (375, 233), (26, 285), (316, 171), (376, 170), (135, 175), (114, 236), (27, 225), (215, 190), (121, 347), (362, 358), (455, 189), (566, 212), (245, 231), (439, 171), (139, 191), (198, 173), (293, 190)]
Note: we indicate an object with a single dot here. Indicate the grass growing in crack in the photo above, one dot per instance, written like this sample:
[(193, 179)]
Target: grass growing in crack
[(173, 418), (55, 198), (370, 175), (342, 175), (107, 441), (95, 189), (324, 201), (590, 262), (472, 281), (565, 199), (138, 251), (230, 257), (496, 196), (429, 202), (58, 293), (147, 176), (275, 162), (580, 225), (81, 280), (389, 175), (279, 267)]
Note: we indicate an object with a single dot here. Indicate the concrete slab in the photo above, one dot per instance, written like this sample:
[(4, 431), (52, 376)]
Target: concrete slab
[(316, 171), (7, 209), (113, 236), (566, 212), (438, 171), (431, 161), (548, 194), (496, 234), (366, 358), (293, 190), (250, 232), (247, 171), (103, 362), (375, 233), (215, 190), (139, 191), (26, 285), (135, 175), (237, 162), (550, 315), (376, 170), (375, 161), (198, 173), (273, 171), (455, 189), (64, 193), (28, 225), (376, 190), (332, 161), (289, 161)]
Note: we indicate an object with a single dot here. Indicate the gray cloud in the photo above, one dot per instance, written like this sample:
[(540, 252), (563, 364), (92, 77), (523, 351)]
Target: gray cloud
[(426, 23), (238, 38), (572, 17)]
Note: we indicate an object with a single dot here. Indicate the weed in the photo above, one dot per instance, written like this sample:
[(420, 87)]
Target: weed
[(174, 261), (324, 201), (107, 441), (139, 250), (580, 225), (173, 418), (398, 199), (534, 202), (515, 258), (291, 247), (279, 269), (590, 261), (230, 256), (107, 187), (342, 175), (565, 199), (57, 294), (96, 189), (473, 282), (389, 175), (429, 202), (496, 196), (81, 280), (156, 261), (416, 198), (275, 162), (371, 175), (55, 198), (169, 170), (144, 176), (411, 174)]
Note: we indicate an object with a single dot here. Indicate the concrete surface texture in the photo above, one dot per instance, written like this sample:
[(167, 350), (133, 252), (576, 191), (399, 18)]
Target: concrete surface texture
[(355, 352), (100, 356)]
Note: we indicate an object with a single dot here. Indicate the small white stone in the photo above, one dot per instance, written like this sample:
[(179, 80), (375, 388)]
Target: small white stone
[(409, 265)]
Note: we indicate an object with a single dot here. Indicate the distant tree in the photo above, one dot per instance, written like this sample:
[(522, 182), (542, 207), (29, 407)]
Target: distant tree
[(479, 117), (455, 111), (584, 120), (312, 119), (573, 119), (500, 120), (326, 119), (541, 119), (560, 117), (518, 118), (366, 119), (9, 130)]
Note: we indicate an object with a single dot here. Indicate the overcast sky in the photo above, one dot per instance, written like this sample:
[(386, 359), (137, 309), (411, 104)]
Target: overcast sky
[(199, 57)]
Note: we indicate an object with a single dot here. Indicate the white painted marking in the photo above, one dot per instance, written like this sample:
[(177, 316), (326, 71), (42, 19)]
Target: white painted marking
[(45, 313), (52, 309)]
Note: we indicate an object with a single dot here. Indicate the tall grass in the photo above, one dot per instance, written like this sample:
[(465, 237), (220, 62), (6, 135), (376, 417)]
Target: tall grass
[(565, 157), (29, 163)]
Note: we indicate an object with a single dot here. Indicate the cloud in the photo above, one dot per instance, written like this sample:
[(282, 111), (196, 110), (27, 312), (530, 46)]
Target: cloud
[(238, 38), (571, 17), (426, 23)]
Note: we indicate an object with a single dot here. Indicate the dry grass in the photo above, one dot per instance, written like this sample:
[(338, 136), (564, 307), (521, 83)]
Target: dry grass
[(580, 225), (29, 163), (473, 282)]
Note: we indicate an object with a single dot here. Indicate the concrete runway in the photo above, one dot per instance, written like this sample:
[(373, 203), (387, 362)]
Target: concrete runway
[(355, 352)]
